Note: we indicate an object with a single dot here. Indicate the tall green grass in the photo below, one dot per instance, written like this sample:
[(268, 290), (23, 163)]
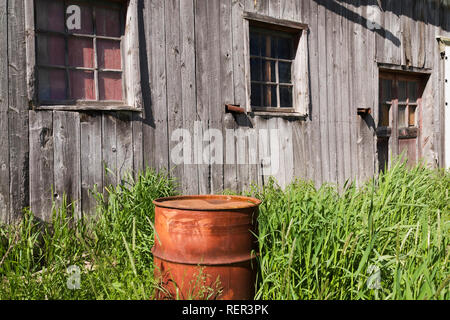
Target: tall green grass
[(321, 244), (112, 248), (314, 243)]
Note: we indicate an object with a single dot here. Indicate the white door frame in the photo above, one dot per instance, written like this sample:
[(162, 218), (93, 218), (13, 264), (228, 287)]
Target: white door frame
[(444, 48), (447, 107)]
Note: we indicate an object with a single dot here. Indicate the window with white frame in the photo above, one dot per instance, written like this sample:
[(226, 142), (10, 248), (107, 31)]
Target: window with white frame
[(277, 65), (271, 60), (80, 55)]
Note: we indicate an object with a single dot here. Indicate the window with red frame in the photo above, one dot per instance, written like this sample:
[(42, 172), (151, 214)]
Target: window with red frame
[(84, 64)]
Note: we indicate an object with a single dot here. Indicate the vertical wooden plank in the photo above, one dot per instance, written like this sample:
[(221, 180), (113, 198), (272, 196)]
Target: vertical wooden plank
[(388, 40), (30, 51), (314, 124), (41, 164), (227, 92), (407, 33), (202, 47), (159, 86), (353, 98), (258, 6), (67, 153), (346, 114), (372, 102), (432, 19), (138, 154), (339, 87), (287, 9), (109, 149), (332, 103), (259, 125), (4, 134), (323, 103), (365, 83), (147, 118), (216, 110), (302, 166), (131, 45), (393, 51), (117, 146), (419, 49), (287, 149), (91, 158), (358, 73), (173, 81), (438, 94), (188, 91), (124, 145), (274, 8), (275, 153), (18, 111), (156, 150), (381, 36)]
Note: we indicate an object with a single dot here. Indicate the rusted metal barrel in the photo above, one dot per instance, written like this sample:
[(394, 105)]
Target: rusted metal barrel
[(205, 247)]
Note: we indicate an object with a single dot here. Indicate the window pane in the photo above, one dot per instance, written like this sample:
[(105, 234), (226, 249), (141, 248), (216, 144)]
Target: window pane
[(412, 91), (82, 85), (285, 97), (107, 22), (110, 85), (401, 116), (51, 50), (86, 23), (255, 98), (270, 96), (268, 46), (383, 120), (284, 48), (284, 71), (109, 54), (412, 116), (269, 71), (52, 84), (255, 45), (81, 52), (386, 90), (402, 91), (255, 68), (50, 15)]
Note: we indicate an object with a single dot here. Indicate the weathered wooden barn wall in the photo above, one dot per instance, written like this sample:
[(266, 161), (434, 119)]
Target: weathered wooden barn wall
[(192, 63)]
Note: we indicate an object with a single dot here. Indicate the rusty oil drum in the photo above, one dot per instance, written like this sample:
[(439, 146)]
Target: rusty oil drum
[(205, 247)]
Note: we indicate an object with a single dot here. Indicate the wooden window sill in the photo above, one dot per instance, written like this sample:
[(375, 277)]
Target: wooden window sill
[(88, 108), (295, 115)]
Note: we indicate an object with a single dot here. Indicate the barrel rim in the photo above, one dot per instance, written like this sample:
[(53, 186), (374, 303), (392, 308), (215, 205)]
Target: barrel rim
[(160, 202), (208, 261)]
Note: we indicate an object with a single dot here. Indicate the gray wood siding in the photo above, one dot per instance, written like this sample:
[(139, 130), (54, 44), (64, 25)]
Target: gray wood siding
[(192, 63)]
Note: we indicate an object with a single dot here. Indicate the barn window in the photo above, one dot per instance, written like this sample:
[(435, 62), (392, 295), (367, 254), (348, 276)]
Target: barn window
[(399, 115), (277, 69), (271, 58), (81, 56)]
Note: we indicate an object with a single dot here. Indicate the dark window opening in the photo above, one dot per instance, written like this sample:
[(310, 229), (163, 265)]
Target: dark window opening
[(271, 61)]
